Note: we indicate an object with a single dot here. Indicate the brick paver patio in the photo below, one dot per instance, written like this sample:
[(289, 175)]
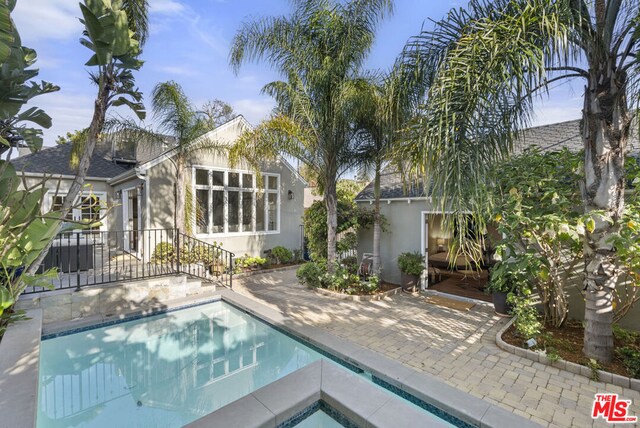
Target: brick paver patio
[(458, 347)]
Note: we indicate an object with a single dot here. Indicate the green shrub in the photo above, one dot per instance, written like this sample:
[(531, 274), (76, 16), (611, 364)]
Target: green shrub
[(411, 263), (527, 322), (281, 254), (247, 262), (630, 357), (350, 263), (164, 252), (312, 274)]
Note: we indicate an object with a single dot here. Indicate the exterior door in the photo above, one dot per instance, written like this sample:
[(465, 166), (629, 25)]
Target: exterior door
[(131, 219)]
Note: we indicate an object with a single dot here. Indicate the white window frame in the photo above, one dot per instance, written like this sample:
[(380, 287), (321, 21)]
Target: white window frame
[(77, 212), (226, 189)]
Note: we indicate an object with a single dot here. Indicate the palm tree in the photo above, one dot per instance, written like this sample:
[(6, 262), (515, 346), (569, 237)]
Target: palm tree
[(319, 50), (383, 111), (480, 69), (176, 116)]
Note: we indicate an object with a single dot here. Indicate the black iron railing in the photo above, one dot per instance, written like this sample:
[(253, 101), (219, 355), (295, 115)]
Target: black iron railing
[(89, 258)]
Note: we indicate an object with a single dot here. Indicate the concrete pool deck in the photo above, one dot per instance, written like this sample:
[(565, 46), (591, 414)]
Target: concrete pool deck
[(457, 347)]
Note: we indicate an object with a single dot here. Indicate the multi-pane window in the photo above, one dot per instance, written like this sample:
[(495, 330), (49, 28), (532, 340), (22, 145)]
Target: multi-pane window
[(87, 212), (236, 202)]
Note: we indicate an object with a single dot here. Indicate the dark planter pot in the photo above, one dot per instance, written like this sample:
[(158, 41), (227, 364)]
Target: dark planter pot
[(409, 282), (500, 303)]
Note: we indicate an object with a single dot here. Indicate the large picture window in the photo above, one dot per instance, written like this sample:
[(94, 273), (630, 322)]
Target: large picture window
[(236, 202)]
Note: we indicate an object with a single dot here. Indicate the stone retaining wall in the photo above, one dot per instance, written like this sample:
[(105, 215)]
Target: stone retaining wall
[(603, 376), (110, 299)]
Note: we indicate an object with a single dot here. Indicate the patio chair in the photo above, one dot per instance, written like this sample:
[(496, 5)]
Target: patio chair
[(364, 270)]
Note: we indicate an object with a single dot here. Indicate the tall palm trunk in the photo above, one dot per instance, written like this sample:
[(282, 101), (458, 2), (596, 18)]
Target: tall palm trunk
[(376, 222), (605, 135), (331, 202), (180, 195)]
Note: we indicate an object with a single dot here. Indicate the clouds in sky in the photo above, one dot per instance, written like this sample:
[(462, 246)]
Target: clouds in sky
[(47, 19)]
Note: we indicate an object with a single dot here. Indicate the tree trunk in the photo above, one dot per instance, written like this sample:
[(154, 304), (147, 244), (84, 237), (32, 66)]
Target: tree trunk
[(97, 123), (179, 194), (605, 134), (376, 223), (331, 202)]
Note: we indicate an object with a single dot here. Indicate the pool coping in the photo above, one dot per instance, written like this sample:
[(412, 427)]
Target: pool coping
[(19, 370), (23, 341), (280, 402)]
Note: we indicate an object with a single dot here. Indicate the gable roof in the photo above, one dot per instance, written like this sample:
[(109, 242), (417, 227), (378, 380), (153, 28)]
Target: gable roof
[(55, 160), (552, 137)]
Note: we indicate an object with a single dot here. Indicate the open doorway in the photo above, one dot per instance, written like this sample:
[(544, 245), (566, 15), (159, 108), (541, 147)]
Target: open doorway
[(456, 276), (131, 219)]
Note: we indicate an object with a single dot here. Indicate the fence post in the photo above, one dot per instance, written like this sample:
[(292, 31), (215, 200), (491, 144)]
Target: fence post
[(178, 251), (77, 261), (230, 272)]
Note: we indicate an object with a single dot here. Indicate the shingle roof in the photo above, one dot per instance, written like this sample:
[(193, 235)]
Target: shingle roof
[(55, 160), (551, 137)]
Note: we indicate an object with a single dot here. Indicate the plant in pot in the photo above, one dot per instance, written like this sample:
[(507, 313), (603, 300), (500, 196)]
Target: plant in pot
[(411, 266), (509, 276)]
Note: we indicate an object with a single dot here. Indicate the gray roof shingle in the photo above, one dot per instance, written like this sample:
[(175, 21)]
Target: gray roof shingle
[(551, 137), (55, 160)]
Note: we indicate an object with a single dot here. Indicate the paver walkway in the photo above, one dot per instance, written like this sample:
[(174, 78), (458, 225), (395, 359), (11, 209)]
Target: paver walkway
[(458, 347)]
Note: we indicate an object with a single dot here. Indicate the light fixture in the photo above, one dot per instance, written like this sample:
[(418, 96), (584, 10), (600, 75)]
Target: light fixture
[(440, 243), (118, 194), (290, 195)]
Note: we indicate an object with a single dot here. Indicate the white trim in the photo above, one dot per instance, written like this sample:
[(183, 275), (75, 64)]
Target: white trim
[(61, 176), (424, 249), (125, 218), (389, 200)]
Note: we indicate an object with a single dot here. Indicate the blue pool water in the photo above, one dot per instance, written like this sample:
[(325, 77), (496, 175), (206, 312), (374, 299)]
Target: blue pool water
[(162, 371)]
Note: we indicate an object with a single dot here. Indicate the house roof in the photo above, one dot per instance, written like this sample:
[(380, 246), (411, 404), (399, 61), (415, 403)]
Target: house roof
[(552, 137), (55, 160)]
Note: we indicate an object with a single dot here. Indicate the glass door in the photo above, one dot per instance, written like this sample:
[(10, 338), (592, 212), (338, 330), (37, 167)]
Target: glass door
[(131, 219)]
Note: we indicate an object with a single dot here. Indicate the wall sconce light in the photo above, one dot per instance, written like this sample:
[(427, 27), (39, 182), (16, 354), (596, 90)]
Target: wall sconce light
[(440, 243), (118, 194), (290, 195)]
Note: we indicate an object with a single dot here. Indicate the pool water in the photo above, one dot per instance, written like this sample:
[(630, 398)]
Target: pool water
[(162, 371), (319, 419)]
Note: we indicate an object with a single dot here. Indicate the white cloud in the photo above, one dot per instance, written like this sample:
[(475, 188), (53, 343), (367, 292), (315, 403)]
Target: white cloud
[(68, 111), (179, 70), (47, 19), (254, 110), (165, 6)]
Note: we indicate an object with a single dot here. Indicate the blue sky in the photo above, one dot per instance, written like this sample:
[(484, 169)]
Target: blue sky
[(189, 43)]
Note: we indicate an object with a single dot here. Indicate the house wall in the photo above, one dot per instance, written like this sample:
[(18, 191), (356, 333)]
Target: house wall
[(161, 180), (403, 234)]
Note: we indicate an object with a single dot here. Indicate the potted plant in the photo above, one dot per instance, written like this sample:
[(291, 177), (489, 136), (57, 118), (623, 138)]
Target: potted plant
[(411, 266), (503, 280)]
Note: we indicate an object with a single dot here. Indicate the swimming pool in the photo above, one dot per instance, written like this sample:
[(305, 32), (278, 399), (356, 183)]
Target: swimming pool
[(162, 371)]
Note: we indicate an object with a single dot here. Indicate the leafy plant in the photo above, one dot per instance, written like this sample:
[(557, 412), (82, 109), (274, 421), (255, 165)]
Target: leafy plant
[(350, 264), (527, 322), (164, 252), (553, 355), (281, 254), (630, 357), (411, 263), (248, 262), (311, 274), (594, 366)]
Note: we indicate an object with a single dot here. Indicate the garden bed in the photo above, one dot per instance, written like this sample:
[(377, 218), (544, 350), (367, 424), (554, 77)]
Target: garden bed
[(272, 268), (562, 347), (385, 289)]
